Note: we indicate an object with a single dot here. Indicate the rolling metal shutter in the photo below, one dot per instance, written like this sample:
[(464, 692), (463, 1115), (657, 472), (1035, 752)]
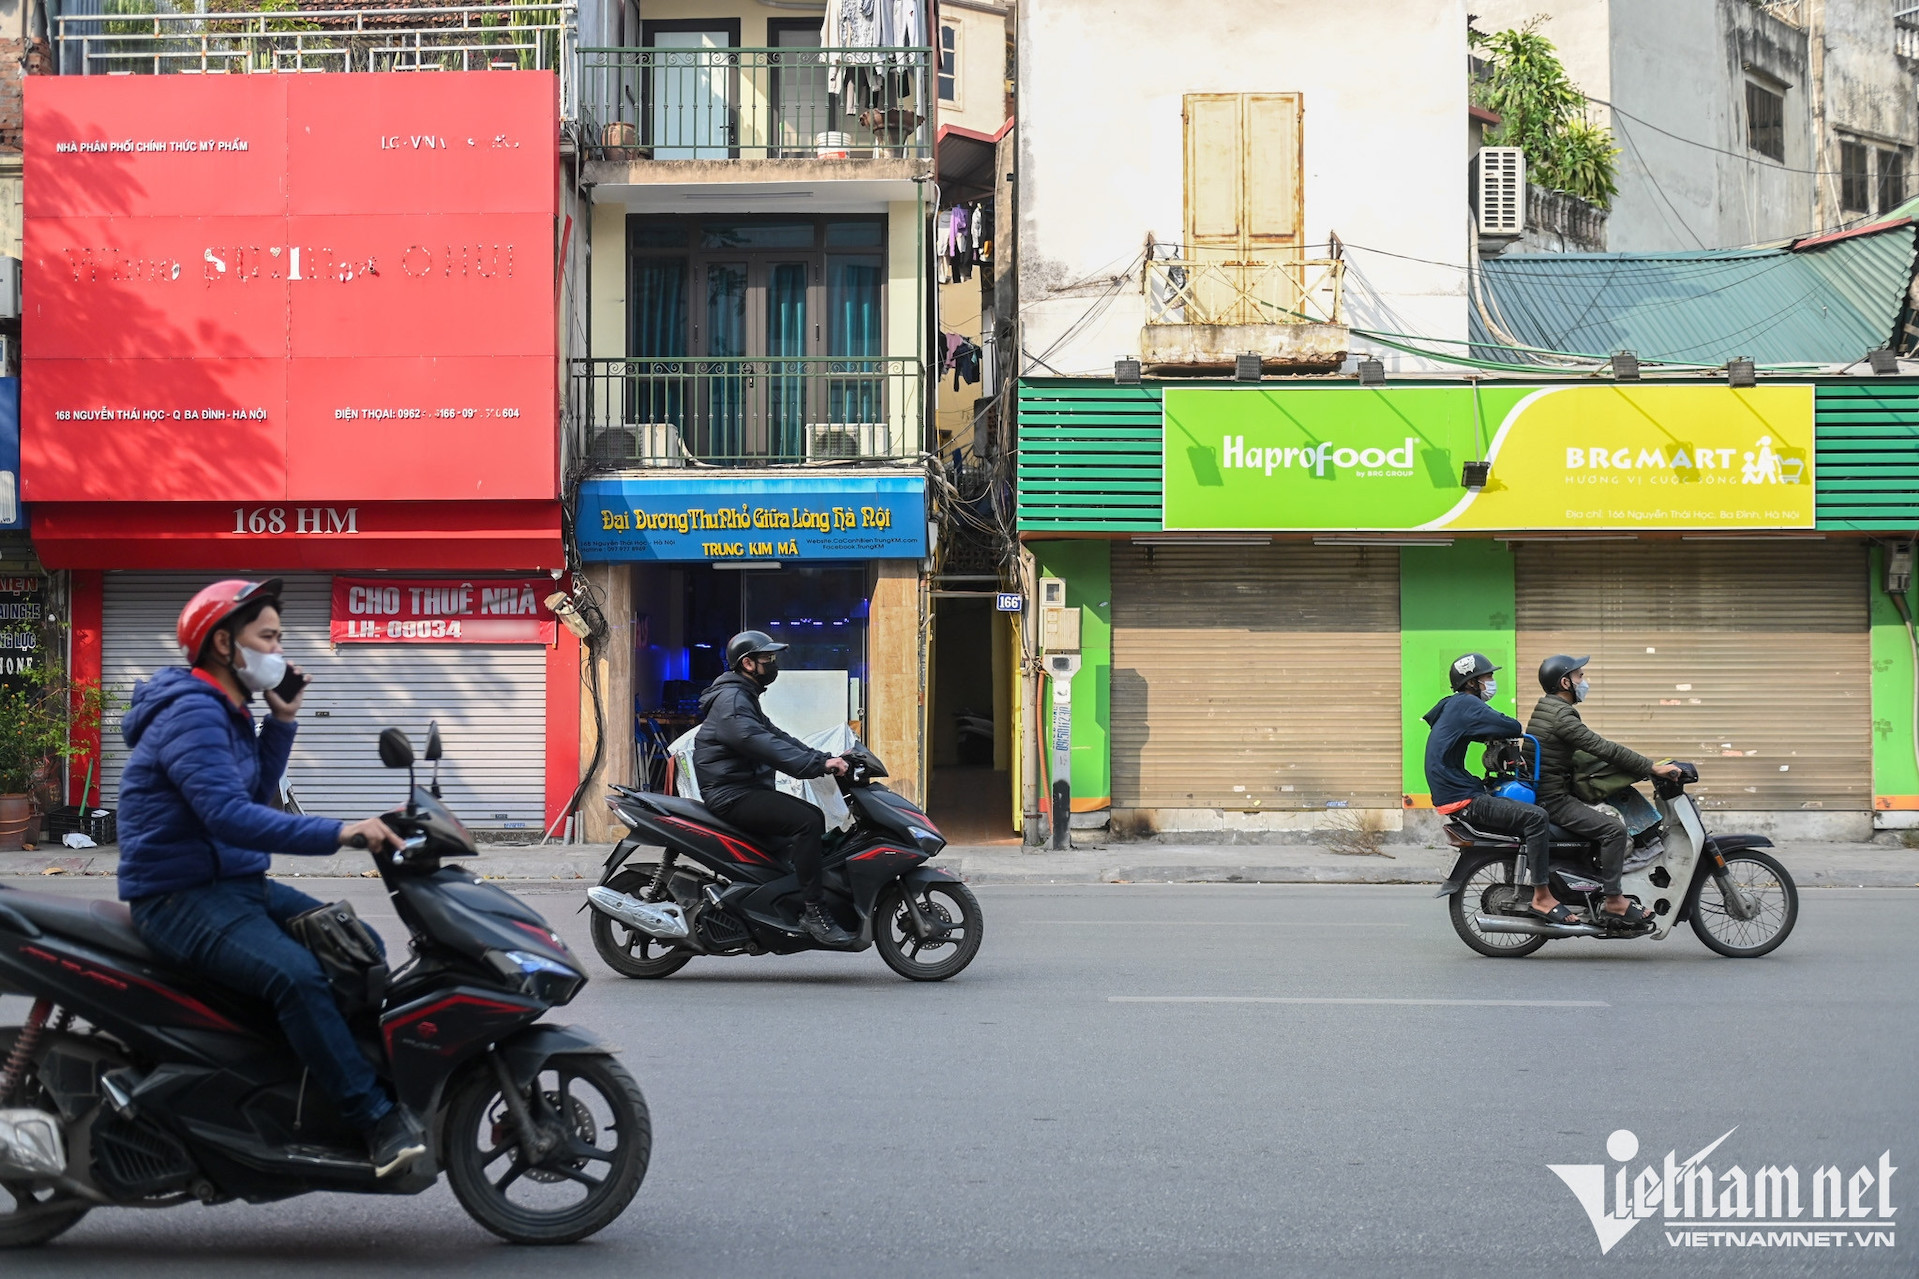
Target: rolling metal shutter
[(1749, 658), (490, 701), (1255, 677)]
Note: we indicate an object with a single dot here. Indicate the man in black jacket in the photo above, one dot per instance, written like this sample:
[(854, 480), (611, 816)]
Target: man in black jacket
[(735, 755), (1459, 721)]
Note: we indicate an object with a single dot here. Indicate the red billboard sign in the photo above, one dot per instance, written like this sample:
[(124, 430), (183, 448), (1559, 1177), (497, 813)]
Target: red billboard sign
[(307, 288), (387, 610)]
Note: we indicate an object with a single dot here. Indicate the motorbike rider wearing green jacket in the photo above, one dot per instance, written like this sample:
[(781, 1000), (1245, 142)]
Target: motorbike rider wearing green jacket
[(1561, 732)]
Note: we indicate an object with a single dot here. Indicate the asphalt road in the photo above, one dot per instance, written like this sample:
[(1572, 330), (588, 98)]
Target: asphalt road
[(1097, 1095)]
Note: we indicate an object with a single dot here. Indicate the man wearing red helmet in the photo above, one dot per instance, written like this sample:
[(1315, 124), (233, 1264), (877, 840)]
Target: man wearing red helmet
[(198, 827)]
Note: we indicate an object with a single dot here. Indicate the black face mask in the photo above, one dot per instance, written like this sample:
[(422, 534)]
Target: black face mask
[(769, 670)]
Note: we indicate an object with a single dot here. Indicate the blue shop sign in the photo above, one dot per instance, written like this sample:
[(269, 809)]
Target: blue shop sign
[(836, 517), (13, 515)]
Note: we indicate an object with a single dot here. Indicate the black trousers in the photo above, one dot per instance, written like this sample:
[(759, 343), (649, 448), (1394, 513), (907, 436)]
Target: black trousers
[(1505, 816), (781, 817), (1603, 829)]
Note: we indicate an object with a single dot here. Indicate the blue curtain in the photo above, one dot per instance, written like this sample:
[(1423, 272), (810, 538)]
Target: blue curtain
[(786, 387), (658, 333), (854, 288), (725, 434)]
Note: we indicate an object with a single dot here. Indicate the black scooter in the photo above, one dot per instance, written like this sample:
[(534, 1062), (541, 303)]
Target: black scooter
[(650, 919), (134, 1086)]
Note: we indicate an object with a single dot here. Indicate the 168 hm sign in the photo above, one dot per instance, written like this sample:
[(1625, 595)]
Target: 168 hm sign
[(270, 520)]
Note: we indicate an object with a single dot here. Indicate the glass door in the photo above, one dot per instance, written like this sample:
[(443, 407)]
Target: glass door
[(691, 90), (799, 89)]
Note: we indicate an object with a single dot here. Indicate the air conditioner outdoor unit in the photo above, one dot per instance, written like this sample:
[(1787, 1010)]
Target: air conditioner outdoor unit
[(637, 444), (10, 288), (1499, 190), (828, 441)]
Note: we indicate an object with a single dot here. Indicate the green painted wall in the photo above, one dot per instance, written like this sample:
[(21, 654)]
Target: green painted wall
[(1452, 600), (1895, 776), (1087, 567)]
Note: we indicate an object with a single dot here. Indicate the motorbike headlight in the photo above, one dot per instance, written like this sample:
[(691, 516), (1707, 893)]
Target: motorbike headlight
[(547, 980), (929, 842)]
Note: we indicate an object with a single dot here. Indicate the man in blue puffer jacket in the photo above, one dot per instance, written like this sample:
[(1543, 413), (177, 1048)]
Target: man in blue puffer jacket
[(198, 829)]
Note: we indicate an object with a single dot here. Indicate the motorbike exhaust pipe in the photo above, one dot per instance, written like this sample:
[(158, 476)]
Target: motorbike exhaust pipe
[(664, 920), (1532, 927)]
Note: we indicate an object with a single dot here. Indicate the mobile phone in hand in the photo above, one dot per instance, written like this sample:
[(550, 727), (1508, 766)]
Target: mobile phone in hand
[(289, 688)]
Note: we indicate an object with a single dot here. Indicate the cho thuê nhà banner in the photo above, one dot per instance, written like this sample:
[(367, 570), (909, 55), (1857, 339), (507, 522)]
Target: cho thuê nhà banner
[(1571, 457)]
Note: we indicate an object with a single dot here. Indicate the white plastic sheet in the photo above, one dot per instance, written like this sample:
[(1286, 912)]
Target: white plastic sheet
[(822, 793)]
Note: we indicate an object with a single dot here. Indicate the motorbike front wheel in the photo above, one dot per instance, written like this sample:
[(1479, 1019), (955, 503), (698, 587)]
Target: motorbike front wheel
[(598, 1136), (1767, 891), (1486, 892), (32, 1214), (950, 905), (628, 951)]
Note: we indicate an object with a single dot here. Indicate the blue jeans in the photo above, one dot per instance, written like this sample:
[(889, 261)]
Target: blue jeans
[(230, 931)]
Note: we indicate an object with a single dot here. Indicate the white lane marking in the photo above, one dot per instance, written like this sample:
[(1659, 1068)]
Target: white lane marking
[(1405, 1003), (1215, 923)]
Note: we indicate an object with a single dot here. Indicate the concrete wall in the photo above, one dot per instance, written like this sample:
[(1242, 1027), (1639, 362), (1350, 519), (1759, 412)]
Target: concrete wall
[(614, 585), (1869, 95), (896, 669), (982, 68), (1101, 153)]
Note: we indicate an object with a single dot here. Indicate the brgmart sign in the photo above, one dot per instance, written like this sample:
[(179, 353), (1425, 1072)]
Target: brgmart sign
[(1563, 457)]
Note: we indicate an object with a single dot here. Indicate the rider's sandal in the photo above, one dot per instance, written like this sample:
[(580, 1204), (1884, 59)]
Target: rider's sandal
[(1559, 914), (1634, 916)]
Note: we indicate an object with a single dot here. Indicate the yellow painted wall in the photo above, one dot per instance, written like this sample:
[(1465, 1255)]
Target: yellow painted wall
[(608, 314)]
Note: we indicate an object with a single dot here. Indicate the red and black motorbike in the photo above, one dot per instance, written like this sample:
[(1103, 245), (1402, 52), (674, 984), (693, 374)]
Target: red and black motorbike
[(134, 1086), (717, 890)]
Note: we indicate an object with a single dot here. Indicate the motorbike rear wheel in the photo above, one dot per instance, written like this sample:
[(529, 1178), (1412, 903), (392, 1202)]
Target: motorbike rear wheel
[(950, 904), (579, 1186), (1488, 881), (628, 951), (1762, 881), (30, 1217)]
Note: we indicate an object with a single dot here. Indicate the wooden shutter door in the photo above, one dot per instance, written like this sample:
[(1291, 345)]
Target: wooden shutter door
[(1213, 182), (1271, 205)]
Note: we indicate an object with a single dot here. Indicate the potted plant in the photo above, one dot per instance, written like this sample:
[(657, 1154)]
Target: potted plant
[(35, 716)]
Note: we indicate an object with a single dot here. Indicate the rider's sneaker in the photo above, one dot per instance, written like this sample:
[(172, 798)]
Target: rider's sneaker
[(395, 1141), (822, 927)]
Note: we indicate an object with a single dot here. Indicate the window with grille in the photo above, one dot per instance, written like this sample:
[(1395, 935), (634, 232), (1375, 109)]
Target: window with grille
[(1765, 121), (1892, 180), (1855, 179)]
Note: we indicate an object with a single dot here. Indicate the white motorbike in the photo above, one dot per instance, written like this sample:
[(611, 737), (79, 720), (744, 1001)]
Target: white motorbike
[(1741, 902)]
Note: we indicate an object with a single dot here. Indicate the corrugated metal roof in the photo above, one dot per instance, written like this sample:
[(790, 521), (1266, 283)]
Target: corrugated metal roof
[(1822, 304)]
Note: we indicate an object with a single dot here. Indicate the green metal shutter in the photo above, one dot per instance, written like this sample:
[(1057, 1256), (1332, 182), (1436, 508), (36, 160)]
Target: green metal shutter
[(1089, 458)]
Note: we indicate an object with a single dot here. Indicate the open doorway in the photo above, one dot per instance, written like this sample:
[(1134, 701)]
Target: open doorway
[(969, 722)]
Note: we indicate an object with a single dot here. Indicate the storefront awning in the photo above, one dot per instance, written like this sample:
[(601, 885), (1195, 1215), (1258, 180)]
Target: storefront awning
[(338, 536)]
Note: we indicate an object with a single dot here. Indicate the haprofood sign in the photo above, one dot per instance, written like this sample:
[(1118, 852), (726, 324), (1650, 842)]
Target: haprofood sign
[(1562, 457)]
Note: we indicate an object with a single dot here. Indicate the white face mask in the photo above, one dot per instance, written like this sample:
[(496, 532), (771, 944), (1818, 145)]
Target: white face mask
[(262, 670), (1488, 688), (1580, 690)]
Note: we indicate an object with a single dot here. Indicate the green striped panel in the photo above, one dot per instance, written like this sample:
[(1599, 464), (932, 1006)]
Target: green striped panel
[(1866, 454)]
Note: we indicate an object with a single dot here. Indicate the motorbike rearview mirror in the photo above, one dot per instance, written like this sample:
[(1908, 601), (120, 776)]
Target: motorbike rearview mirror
[(396, 749), (433, 753)]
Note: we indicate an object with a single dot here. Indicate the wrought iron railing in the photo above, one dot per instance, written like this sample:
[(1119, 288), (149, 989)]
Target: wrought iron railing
[(768, 104), (746, 411), (160, 37), (1198, 291)]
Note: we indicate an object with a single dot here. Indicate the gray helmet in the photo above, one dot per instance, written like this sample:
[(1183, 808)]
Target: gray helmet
[(1556, 668), (750, 644), (1469, 668)]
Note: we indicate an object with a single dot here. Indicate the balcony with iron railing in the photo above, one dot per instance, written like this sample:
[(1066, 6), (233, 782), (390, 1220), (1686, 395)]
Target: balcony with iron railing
[(174, 37), (1203, 313), (746, 411), (826, 107)]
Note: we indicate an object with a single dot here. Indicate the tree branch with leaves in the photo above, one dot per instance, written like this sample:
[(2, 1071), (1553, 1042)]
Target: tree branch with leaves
[(1544, 114)]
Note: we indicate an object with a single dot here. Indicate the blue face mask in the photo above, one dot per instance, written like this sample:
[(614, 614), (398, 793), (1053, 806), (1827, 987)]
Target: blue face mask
[(1488, 688), (1580, 690)]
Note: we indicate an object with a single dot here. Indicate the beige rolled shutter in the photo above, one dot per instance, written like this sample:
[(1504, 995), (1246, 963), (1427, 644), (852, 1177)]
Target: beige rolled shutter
[(1751, 659), (1255, 678), (1271, 168), (1213, 154)]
